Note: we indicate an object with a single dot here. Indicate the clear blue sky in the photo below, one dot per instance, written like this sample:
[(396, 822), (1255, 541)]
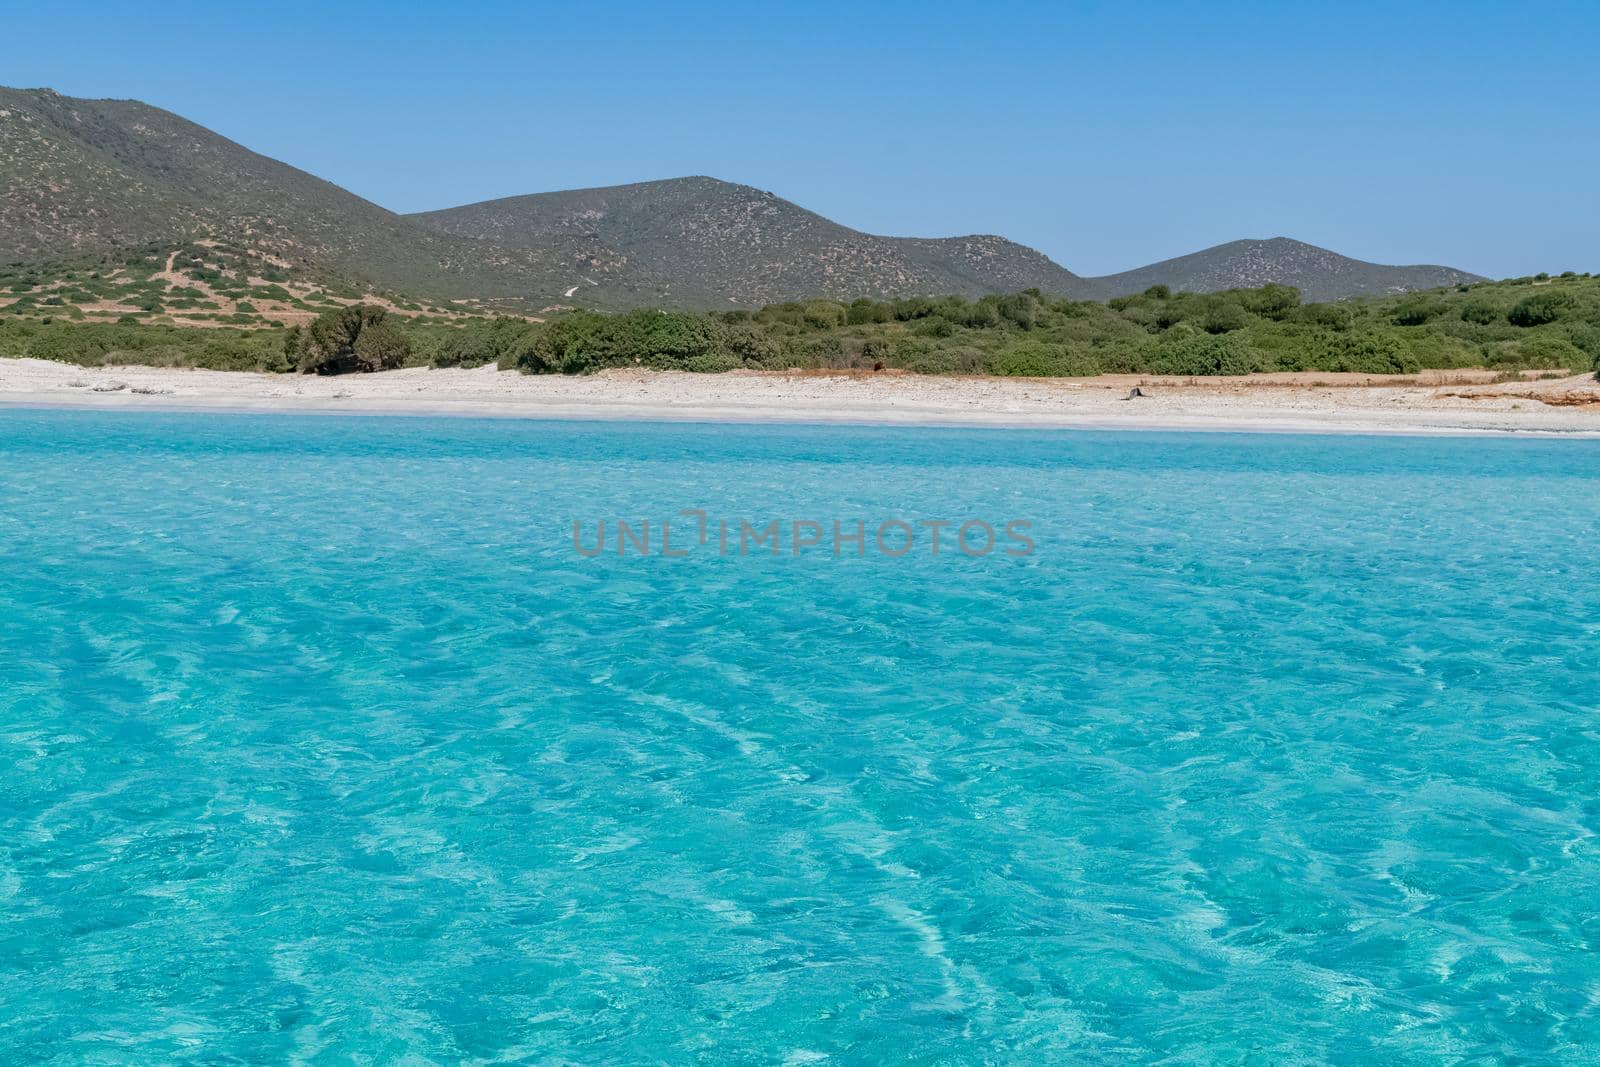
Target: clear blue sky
[(1106, 134)]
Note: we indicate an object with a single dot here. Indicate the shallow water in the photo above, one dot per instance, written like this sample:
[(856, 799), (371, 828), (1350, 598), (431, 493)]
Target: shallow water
[(320, 740)]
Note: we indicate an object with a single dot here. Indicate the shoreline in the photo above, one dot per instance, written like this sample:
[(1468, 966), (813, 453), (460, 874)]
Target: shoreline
[(510, 413), (1459, 403)]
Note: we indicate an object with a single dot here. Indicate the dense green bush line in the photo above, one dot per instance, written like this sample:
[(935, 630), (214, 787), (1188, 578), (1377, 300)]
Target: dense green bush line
[(1529, 323), (97, 344)]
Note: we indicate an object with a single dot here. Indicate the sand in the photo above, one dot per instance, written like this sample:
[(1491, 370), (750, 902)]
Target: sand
[(1434, 402)]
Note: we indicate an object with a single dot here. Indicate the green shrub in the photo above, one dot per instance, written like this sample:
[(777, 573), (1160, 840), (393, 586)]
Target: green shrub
[(583, 341), (935, 328), (1387, 350), (1022, 310), (1036, 359), (712, 363), (1584, 336), (66, 345), (1539, 309), (1217, 314), (1548, 353), (665, 340), (865, 311), (355, 338), (1367, 352), (749, 346), (95, 344), (1271, 301), (1417, 310), (1327, 316), (478, 342), (1197, 354), (984, 315)]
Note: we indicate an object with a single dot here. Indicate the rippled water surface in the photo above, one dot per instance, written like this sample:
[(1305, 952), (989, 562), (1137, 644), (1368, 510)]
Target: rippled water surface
[(317, 739)]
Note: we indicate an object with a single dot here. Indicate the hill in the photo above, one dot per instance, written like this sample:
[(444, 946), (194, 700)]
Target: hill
[(712, 243), (170, 202), (78, 177), (1318, 273), (81, 176)]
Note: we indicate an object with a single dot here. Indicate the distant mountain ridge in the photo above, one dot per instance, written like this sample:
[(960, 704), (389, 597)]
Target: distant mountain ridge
[(1318, 273), (715, 243), (79, 176)]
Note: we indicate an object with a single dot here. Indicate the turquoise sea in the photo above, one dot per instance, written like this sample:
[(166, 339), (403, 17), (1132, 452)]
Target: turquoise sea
[(319, 741)]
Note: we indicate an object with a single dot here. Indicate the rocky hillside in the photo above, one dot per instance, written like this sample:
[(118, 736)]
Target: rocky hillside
[(710, 243), (81, 179), (1318, 273), (82, 175)]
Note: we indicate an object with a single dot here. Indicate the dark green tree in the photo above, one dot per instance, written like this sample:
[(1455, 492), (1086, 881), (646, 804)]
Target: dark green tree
[(1189, 352), (1272, 300), (1538, 309), (355, 338), (1417, 310)]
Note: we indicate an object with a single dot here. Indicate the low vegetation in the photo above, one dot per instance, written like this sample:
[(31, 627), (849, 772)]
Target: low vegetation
[(1539, 323), (206, 283), (107, 344), (1529, 323)]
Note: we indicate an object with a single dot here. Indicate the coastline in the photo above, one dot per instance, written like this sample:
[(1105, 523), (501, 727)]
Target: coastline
[(1431, 403)]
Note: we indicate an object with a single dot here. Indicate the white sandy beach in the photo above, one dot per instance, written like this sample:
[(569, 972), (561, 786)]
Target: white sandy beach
[(1433, 402)]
